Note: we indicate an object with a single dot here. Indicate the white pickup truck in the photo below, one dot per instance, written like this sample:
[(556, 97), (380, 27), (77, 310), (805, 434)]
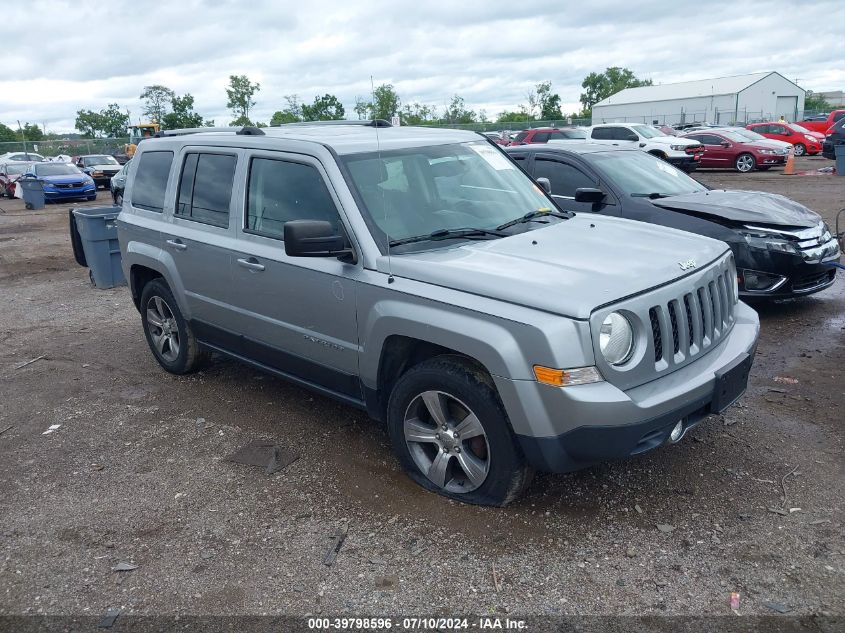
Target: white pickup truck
[(681, 152)]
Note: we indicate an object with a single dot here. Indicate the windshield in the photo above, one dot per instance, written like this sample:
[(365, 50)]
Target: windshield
[(55, 169), (647, 131), (419, 190), (638, 173), (99, 160), (799, 128), (17, 169)]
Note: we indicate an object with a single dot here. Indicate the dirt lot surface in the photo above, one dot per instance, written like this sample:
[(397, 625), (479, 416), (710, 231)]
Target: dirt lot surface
[(750, 502)]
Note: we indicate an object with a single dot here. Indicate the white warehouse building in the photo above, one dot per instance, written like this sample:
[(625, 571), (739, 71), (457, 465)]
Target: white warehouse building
[(741, 98)]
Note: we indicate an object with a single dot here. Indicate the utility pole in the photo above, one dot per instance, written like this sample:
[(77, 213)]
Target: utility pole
[(23, 138)]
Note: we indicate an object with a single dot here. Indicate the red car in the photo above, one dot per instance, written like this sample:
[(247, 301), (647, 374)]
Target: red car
[(9, 173), (545, 134), (729, 150), (805, 141)]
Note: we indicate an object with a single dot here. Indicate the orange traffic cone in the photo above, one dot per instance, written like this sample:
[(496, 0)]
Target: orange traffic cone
[(789, 170)]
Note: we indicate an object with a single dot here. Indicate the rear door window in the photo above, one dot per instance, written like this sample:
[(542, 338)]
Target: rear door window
[(205, 188), (151, 180), (602, 133), (540, 137)]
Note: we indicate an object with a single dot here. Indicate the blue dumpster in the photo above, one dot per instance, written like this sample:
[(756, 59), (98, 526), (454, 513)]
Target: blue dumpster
[(840, 159), (33, 192), (96, 231)]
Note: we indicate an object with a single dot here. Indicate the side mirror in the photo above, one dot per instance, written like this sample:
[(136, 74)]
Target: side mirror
[(642, 144), (632, 137), (589, 195), (314, 238), (725, 144), (545, 184)]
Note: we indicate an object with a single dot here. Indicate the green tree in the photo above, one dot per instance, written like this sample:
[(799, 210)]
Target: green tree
[(88, 122), (599, 86), (325, 108), (518, 116), (416, 114), (156, 100), (113, 122), (362, 108), (280, 117), (7, 133), (385, 103), (292, 113), (182, 115), (816, 103), (548, 102), (32, 132), (457, 112), (241, 121), (240, 93)]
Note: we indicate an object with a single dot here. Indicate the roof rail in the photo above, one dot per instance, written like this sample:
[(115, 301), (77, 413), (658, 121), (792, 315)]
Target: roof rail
[(247, 130), (366, 123)]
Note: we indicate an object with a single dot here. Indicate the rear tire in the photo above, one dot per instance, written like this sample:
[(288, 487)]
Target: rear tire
[(168, 334), (451, 434)]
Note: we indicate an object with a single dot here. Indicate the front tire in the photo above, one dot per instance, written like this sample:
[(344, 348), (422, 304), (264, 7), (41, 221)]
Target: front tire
[(745, 163), (452, 435), (168, 334), (800, 149)]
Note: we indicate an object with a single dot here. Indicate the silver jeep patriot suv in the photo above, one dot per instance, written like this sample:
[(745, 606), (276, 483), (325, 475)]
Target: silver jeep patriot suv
[(421, 275)]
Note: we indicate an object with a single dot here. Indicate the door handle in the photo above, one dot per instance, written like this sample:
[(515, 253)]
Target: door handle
[(179, 245), (251, 264)]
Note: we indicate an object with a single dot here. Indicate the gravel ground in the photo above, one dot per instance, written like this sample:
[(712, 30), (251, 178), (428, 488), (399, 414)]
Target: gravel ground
[(750, 502)]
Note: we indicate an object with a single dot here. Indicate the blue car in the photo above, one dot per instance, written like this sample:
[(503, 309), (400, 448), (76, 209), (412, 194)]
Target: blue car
[(63, 181)]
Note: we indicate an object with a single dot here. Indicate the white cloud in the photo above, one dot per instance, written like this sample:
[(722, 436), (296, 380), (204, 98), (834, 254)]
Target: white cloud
[(491, 53)]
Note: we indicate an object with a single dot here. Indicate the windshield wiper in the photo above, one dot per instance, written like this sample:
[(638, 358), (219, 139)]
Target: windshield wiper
[(533, 215), (445, 234)]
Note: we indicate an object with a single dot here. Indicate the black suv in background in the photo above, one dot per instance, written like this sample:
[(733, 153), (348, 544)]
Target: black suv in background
[(836, 137)]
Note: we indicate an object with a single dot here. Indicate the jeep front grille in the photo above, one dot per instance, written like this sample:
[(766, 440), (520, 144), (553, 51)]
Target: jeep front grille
[(708, 312)]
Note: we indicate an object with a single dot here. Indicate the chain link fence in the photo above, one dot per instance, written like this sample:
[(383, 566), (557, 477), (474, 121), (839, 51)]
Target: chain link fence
[(70, 147), (510, 126)]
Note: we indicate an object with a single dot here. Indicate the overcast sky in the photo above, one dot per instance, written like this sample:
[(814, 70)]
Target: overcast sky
[(86, 54)]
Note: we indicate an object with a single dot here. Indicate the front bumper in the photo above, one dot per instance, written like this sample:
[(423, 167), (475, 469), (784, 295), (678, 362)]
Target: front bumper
[(799, 277), (768, 160), (583, 425), (51, 193), (687, 162)]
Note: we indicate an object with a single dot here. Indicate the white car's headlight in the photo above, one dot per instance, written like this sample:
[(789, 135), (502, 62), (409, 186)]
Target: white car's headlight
[(616, 338), (678, 148)]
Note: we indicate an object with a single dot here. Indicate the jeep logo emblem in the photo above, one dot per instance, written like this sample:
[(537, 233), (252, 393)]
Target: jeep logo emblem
[(687, 265)]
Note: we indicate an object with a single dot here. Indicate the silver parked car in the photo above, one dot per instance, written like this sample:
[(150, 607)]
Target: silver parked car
[(419, 274)]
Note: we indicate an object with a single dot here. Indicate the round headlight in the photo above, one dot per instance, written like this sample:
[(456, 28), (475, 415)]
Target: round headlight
[(616, 339)]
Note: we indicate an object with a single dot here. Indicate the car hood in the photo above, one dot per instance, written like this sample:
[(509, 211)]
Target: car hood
[(744, 207), (570, 267), (672, 140), (63, 180)]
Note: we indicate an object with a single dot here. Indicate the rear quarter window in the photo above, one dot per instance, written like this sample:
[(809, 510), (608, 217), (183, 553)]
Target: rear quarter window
[(151, 180)]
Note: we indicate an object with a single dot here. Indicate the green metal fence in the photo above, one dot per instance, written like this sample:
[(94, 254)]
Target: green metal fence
[(510, 125), (70, 147)]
